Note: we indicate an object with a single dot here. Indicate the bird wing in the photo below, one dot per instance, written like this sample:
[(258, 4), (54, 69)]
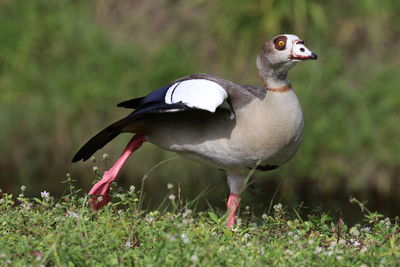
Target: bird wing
[(257, 91), (198, 91), (201, 92)]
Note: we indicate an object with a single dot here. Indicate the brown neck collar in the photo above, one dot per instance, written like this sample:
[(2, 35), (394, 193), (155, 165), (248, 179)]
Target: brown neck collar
[(281, 89), (269, 77)]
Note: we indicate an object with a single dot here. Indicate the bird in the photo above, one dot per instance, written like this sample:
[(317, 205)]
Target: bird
[(234, 127)]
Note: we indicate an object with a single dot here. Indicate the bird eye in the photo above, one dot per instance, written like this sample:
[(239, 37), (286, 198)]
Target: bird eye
[(280, 42)]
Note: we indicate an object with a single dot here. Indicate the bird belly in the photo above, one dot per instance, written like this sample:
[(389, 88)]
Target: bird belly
[(236, 151), (227, 154)]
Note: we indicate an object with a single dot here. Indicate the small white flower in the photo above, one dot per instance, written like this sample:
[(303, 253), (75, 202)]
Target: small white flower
[(185, 238), (387, 222), (310, 242), (93, 159), (278, 207), (356, 243), (23, 188), (132, 188), (264, 216), (95, 168), (73, 214), (100, 199), (170, 186), (339, 258), (105, 156), (45, 194), (149, 218), (262, 251), (128, 244), (172, 197), (194, 258), (366, 229), (238, 222), (246, 235)]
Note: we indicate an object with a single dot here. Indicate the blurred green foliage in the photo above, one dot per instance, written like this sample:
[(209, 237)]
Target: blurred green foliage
[(65, 64)]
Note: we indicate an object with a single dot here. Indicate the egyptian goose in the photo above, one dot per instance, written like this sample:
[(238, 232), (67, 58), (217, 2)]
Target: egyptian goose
[(231, 126)]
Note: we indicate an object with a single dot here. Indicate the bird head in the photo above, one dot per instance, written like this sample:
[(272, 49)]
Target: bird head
[(283, 52)]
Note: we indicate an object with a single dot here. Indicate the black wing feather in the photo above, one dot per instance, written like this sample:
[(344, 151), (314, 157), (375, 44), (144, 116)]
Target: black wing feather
[(132, 103), (156, 96)]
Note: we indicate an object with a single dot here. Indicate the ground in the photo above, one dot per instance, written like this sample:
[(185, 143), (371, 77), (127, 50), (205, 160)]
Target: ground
[(44, 231)]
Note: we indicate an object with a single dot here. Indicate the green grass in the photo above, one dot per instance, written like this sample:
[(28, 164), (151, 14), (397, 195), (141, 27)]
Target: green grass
[(44, 231), (65, 64)]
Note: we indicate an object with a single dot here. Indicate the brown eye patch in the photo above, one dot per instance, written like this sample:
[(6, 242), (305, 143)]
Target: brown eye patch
[(280, 42)]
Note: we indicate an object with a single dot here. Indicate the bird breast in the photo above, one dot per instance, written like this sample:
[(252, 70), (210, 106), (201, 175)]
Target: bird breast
[(271, 129)]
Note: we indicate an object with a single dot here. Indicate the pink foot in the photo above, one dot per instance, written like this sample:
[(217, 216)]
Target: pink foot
[(100, 191), (232, 205)]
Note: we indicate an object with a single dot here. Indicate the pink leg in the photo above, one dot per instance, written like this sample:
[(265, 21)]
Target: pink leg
[(102, 187), (232, 205)]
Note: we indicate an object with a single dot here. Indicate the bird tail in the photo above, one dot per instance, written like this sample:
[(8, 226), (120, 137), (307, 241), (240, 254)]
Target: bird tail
[(100, 140)]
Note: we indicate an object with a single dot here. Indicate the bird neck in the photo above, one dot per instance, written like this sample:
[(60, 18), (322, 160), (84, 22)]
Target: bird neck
[(275, 80)]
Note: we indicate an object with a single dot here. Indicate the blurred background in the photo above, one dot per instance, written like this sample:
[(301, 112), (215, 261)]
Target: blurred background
[(65, 64)]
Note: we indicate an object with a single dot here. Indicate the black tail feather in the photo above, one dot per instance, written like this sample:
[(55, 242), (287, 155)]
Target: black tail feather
[(99, 140)]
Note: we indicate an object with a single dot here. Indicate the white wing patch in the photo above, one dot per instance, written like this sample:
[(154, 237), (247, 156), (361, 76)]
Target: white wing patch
[(197, 93)]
